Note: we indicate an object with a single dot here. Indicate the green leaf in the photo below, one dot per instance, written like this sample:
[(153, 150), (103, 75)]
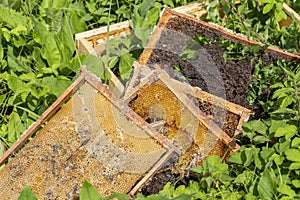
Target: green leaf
[(296, 183), (93, 64), (11, 18), (57, 4), (284, 111), (261, 139), (275, 124), (258, 161), (1, 53), (144, 7), (76, 62), (289, 72), (15, 63), (283, 92), (283, 146), (250, 196), (293, 155), (89, 192), (277, 159), (296, 142), (2, 148), (154, 197), (65, 39), (286, 101), (27, 194), (179, 190), (197, 169), (113, 61), (267, 1), (256, 126), (215, 161), (50, 50), (277, 85), (15, 127), (216, 168), (57, 85), (144, 20), (280, 16), (3, 130), (249, 155), (236, 158), (267, 185), (38, 60), (294, 166), (28, 76), (16, 84), (119, 196), (297, 76), (152, 17), (244, 178), (168, 189), (125, 68), (266, 153), (79, 22), (17, 31), (169, 3), (143, 34), (267, 8), (286, 189), (184, 196), (290, 130)]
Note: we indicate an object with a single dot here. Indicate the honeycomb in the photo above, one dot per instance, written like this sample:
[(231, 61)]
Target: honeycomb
[(89, 138), (156, 102)]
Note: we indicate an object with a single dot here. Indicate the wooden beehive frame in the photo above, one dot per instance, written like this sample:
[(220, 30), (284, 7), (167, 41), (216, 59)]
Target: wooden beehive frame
[(93, 41), (160, 75), (212, 28), (88, 41), (96, 83), (141, 72)]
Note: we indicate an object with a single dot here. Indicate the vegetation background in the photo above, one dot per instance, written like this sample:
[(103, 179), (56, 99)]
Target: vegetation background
[(38, 61)]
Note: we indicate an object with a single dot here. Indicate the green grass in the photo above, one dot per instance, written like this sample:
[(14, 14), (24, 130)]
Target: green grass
[(38, 61)]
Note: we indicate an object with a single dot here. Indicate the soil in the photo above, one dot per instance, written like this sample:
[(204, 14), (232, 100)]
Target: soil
[(229, 80), (208, 70)]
